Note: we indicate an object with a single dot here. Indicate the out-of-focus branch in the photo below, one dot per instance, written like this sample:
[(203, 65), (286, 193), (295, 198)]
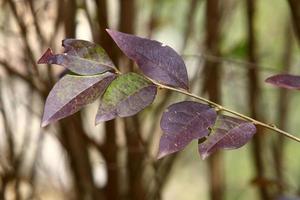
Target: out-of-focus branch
[(40, 88), (104, 38), (23, 30), (295, 10), (41, 38), (70, 9), (93, 26), (284, 102), (110, 148), (191, 11), (76, 146), (254, 93), (212, 85), (236, 62), (152, 19)]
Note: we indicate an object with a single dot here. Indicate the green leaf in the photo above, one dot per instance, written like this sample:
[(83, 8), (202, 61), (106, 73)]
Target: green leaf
[(125, 96)]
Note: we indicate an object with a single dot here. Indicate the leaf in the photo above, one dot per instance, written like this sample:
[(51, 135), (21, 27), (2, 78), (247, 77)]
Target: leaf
[(157, 61), (81, 57), (71, 93), (287, 81), (126, 95), (183, 122), (287, 198), (228, 133)]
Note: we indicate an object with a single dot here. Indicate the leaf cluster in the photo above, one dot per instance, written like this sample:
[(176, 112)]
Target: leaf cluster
[(122, 95)]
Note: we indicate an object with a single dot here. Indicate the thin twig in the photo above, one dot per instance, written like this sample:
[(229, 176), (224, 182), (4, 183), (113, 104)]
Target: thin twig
[(237, 62)]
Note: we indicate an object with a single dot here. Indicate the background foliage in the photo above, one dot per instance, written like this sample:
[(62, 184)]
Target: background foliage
[(229, 48)]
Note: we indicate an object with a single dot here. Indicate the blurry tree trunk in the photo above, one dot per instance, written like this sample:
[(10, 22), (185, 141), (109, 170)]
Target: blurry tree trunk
[(110, 154), (153, 21), (189, 22), (127, 16), (254, 93), (135, 150), (127, 25), (73, 133), (70, 9), (295, 11), (278, 147), (77, 149), (212, 87), (136, 153), (104, 39), (110, 149)]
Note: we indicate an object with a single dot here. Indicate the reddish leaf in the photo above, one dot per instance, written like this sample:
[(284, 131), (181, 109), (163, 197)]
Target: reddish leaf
[(71, 93), (81, 57), (285, 81), (183, 122), (159, 62), (228, 133), (126, 95)]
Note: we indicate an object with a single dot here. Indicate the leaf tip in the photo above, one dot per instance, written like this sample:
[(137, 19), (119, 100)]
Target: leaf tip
[(267, 79), (111, 33), (45, 123), (160, 155), (45, 57), (204, 155), (103, 117), (97, 121)]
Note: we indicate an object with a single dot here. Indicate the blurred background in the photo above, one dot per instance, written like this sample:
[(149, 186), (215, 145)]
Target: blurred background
[(229, 47)]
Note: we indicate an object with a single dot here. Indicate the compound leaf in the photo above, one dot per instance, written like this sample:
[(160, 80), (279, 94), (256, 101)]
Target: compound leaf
[(81, 57), (285, 81), (183, 122), (228, 133), (73, 92), (125, 96), (157, 61)]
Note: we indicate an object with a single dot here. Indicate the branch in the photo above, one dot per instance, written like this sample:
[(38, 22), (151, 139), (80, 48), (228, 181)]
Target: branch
[(222, 108)]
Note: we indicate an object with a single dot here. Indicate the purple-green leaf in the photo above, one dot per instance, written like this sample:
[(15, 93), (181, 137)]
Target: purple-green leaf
[(285, 81), (228, 133), (73, 92), (183, 122), (125, 96), (81, 57), (157, 61)]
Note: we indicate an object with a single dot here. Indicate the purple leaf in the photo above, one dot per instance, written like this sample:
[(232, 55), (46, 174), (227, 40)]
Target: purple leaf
[(183, 122), (71, 93), (285, 81), (126, 95), (228, 133), (287, 198), (157, 61), (81, 57)]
